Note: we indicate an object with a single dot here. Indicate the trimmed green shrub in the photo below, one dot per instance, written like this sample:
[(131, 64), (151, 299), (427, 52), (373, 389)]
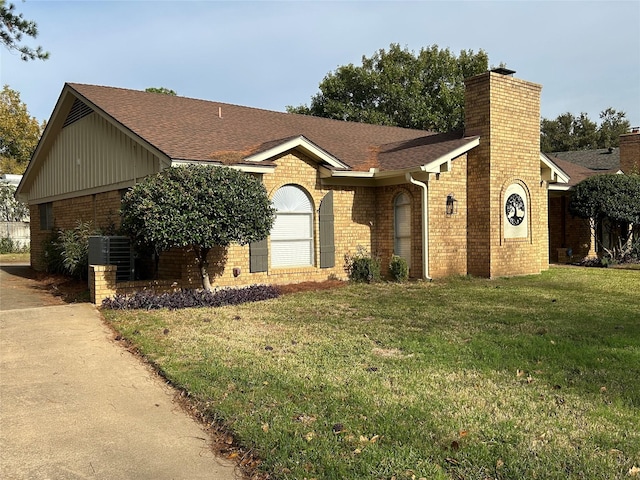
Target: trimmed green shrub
[(362, 266), (398, 269)]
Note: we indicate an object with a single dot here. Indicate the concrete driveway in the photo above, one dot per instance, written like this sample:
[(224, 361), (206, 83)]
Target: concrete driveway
[(75, 405)]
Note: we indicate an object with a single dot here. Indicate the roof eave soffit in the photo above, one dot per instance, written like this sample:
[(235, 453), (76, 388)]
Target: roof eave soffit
[(550, 172)]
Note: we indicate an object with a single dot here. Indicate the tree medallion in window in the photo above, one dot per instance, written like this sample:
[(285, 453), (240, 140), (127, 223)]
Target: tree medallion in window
[(516, 211)]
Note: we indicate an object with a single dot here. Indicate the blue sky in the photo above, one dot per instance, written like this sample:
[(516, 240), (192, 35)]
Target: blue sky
[(271, 54)]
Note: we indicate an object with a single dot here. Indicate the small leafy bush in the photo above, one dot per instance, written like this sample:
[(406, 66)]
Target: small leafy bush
[(185, 298), (362, 266), (398, 269), (592, 262), (67, 251), (8, 245)]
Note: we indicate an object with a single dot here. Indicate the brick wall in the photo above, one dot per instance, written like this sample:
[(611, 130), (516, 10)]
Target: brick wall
[(505, 112), (354, 213), (630, 152), (101, 209), (448, 232), (565, 230), (383, 226)]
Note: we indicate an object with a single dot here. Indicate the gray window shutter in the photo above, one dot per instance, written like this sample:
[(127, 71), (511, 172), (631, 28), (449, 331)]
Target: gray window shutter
[(327, 246), (258, 256)]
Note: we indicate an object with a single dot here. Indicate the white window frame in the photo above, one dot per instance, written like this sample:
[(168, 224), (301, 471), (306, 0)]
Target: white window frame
[(402, 200), (292, 201)]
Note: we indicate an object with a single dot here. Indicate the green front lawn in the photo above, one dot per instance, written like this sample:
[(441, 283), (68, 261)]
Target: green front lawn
[(527, 377)]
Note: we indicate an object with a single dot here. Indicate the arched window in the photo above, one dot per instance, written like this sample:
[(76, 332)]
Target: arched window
[(292, 231), (402, 227)]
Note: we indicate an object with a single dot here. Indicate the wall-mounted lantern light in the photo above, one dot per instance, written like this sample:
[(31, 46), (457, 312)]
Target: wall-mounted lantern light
[(452, 205)]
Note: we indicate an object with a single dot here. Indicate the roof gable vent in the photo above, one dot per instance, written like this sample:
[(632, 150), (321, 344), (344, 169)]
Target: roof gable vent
[(78, 110)]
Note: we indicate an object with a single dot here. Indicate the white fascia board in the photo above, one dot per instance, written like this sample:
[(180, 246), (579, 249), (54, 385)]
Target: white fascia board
[(328, 173), (242, 168), (302, 143), (557, 174), (436, 165), (254, 168), (181, 163), (369, 174), (559, 187)]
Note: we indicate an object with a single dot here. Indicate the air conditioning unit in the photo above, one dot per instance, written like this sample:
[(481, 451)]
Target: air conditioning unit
[(113, 250)]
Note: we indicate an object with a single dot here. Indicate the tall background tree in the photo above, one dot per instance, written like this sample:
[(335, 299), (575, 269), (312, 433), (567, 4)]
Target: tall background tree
[(13, 26), (197, 207), (423, 90), (163, 90), (19, 132), (568, 132), (11, 210)]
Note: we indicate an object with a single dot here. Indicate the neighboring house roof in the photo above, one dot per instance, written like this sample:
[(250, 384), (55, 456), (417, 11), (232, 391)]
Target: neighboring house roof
[(577, 172), (600, 159), (199, 130)]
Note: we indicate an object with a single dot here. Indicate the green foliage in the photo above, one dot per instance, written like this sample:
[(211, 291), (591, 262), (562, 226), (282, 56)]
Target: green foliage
[(162, 90), (8, 245), (568, 132), (11, 210), (362, 266), (12, 27), (197, 206), (614, 197), (398, 269), (612, 201), (423, 90), (67, 251), (19, 132)]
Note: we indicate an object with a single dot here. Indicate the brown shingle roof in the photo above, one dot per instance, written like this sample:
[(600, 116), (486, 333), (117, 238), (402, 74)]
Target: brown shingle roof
[(403, 154), (192, 129), (576, 172), (599, 159)]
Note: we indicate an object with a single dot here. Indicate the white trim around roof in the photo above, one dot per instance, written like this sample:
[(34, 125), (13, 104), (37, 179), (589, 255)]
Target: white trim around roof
[(439, 165), (555, 173), (436, 165), (242, 168), (559, 187), (327, 173), (304, 144)]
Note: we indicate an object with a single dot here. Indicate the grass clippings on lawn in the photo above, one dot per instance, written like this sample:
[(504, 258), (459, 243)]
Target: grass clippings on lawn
[(527, 377)]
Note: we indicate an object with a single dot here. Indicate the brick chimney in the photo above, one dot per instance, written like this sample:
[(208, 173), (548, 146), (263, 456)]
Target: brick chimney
[(503, 172), (630, 152)]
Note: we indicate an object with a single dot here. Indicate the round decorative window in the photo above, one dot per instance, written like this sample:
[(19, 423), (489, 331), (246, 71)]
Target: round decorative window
[(514, 209)]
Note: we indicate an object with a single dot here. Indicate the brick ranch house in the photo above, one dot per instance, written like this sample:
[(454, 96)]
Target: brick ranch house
[(567, 232), (462, 203)]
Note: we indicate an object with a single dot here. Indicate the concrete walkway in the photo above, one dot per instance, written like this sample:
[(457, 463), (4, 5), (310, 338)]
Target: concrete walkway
[(76, 405)]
